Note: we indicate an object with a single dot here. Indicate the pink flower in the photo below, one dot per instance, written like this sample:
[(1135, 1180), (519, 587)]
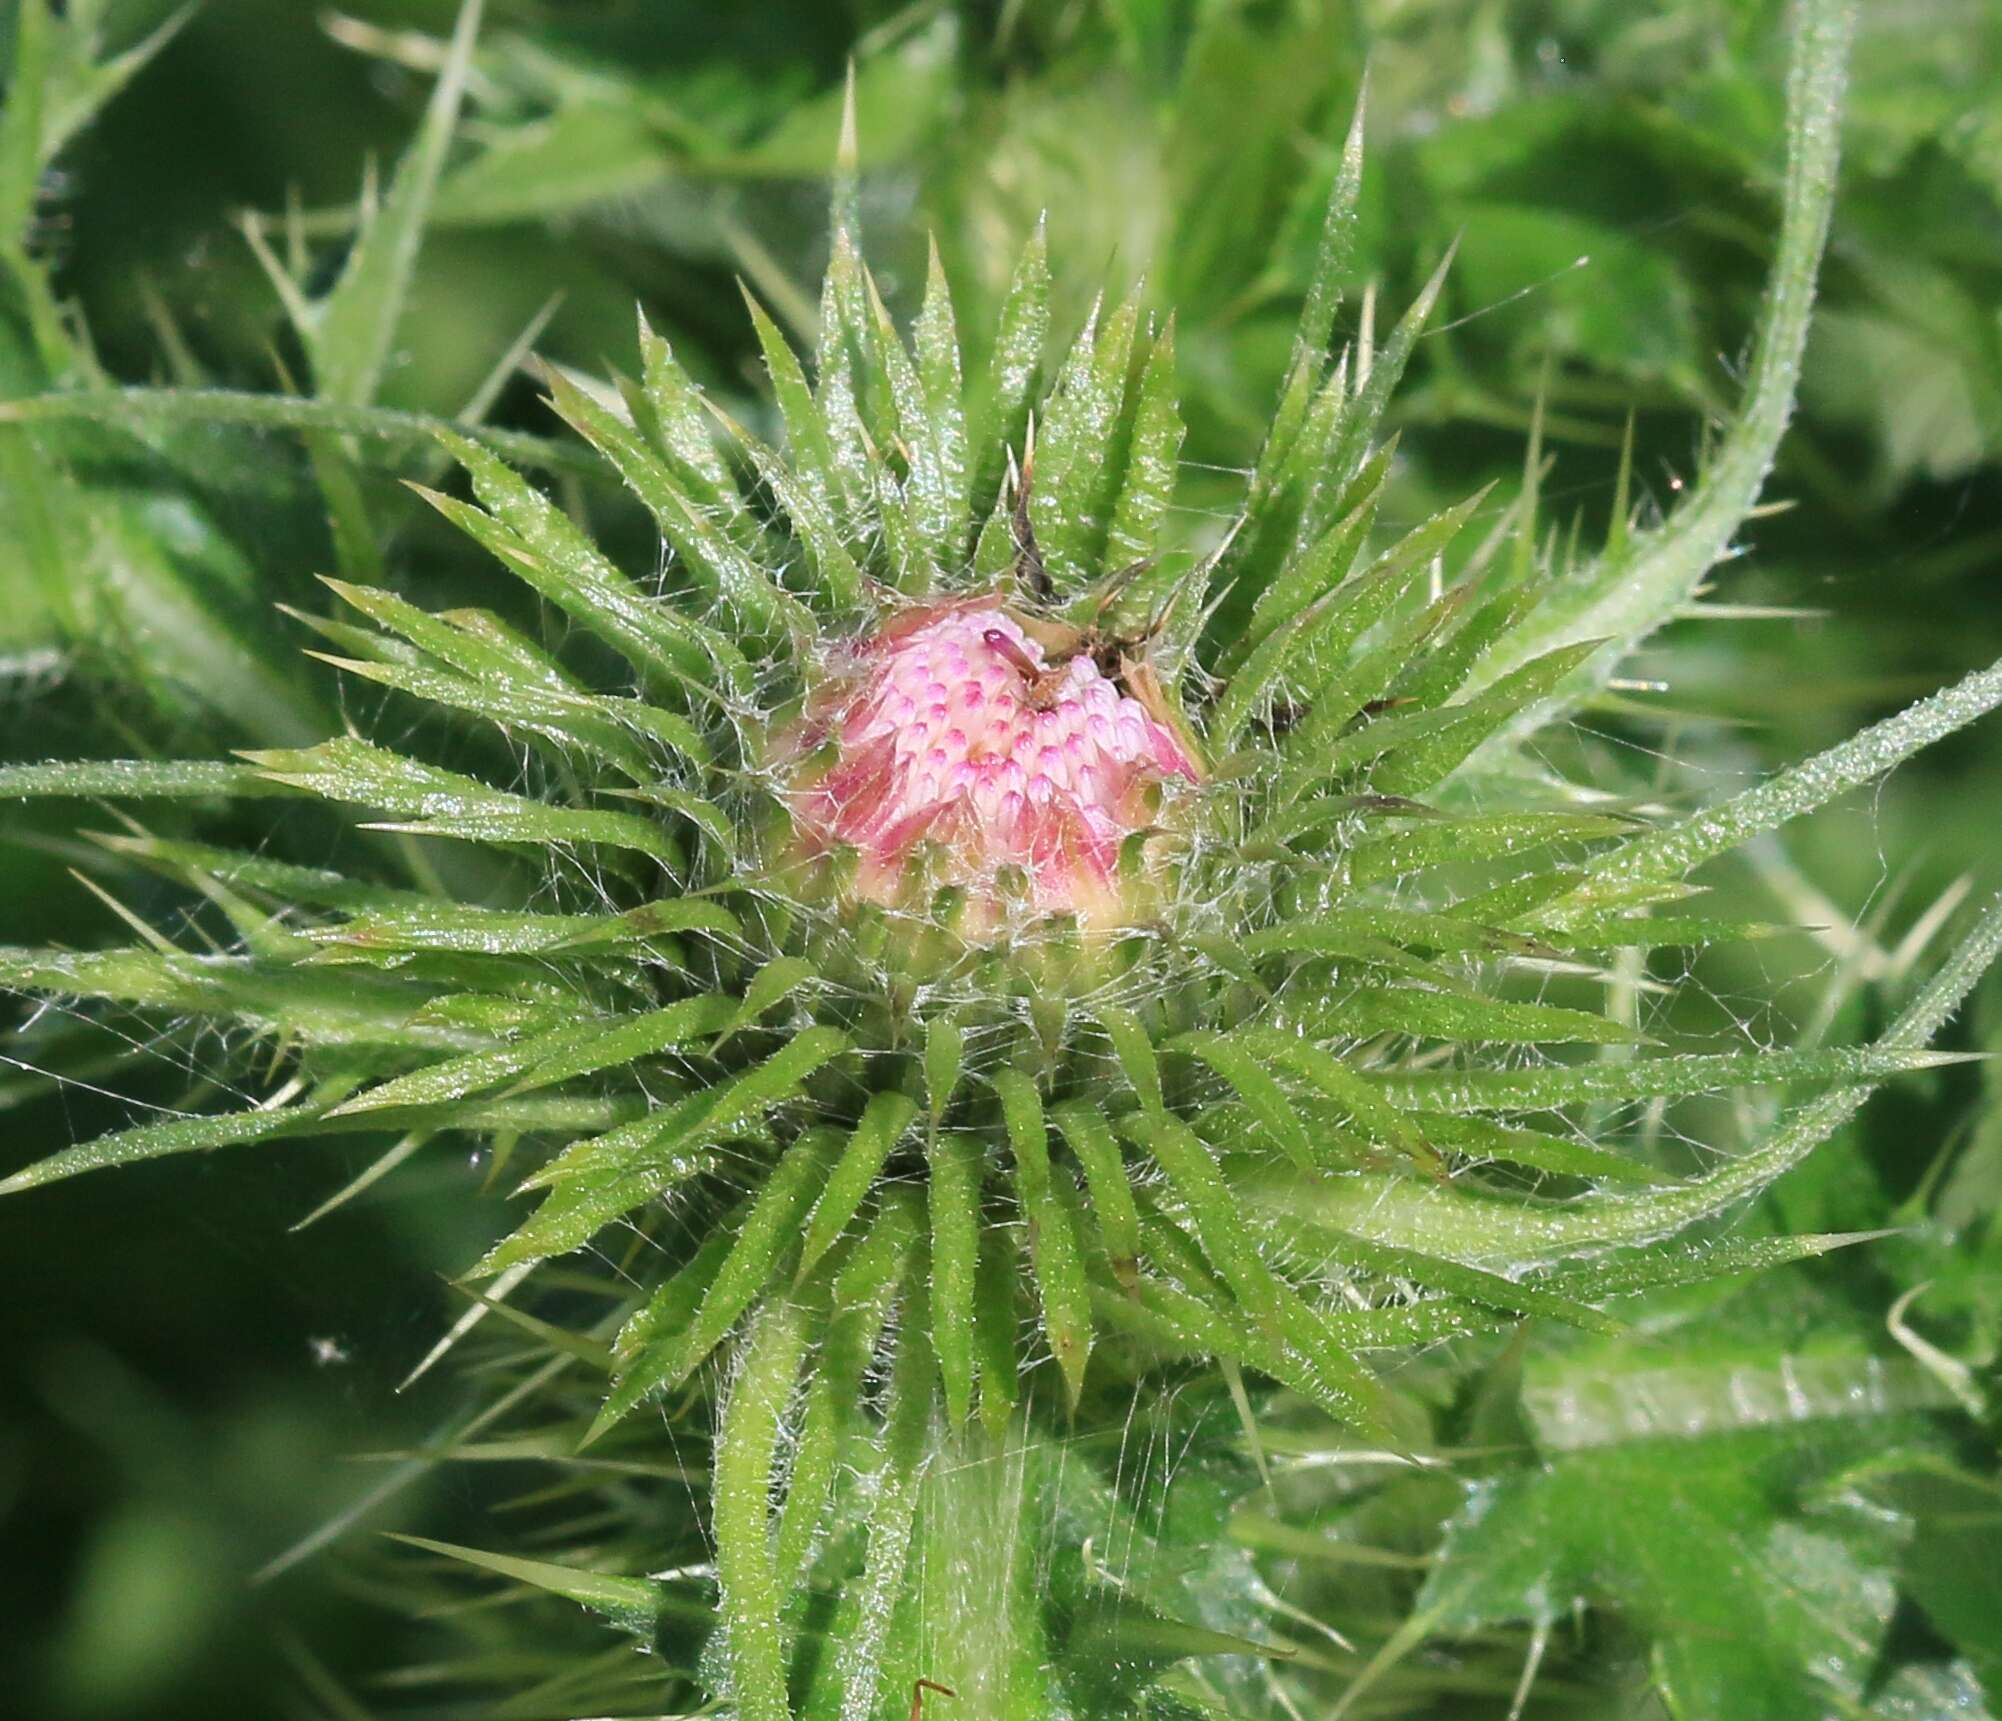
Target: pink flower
[(954, 729)]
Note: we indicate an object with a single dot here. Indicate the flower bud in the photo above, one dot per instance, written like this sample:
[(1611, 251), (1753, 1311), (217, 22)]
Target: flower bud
[(956, 729)]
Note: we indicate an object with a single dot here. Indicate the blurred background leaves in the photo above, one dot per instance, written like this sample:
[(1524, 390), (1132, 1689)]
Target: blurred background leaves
[(183, 1384)]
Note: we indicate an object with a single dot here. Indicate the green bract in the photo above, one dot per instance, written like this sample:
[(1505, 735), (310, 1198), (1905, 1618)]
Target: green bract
[(896, 1239)]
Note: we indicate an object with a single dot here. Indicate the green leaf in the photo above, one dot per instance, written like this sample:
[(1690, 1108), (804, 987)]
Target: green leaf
[(746, 1456), (356, 325), (1013, 370), (1749, 1611), (1452, 1223), (1337, 247), (442, 925), (1147, 487), (1053, 1245), (883, 1120), (769, 1231), (952, 1195), (1359, 422), (1432, 1015), (1514, 1296), (1647, 1078), (1134, 1047), (631, 1604), (812, 516), (1363, 1101), (140, 410), (443, 803), (592, 1182), (863, 1621), (720, 564), (1646, 578), (1253, 1083), (1416, 765), (307, 1004), (1288, 1324), (1479, 1138), (1071, 497), (945, 1058), (1668, 855), (176, 1135), (22, 122), (547, 550), (120, 779), (1461, 840), (617, 730), (1091, 1139), (624, 1043)]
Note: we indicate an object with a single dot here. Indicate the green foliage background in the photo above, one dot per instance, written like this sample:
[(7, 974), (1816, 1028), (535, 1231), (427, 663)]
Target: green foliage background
[(185, 1387)]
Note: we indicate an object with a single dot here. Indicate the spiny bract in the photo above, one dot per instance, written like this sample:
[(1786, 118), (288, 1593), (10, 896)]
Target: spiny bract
[(921, 1013)]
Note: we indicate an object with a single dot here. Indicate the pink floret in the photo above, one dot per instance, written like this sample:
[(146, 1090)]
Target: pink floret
[(956, 733)]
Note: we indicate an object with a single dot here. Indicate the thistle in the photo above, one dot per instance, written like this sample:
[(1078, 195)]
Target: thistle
[(964, 735), (973, 978)]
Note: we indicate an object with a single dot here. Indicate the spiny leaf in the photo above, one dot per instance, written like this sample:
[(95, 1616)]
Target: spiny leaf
[(1254, 1084), (1074, 475), (863, 1621), (1647, 1078), (1671, 853), (303, 1003), (444, 803), (813, 520), (673, 409), (611, 728), (1287, 1323), (547, 550), (356, 325), (725, 570), (648, 1155), (622, 1044), (1053, 1246), (995, 1277), (1377, 1118), (1091, 1139), (1358, 425), (390, 433), (1365, 927), (1479, 1138), (1414, 765), (811, 455), (1147, 487), (593, 1182), (1430, 1015), (1013, 371), (1448, 1222), (176, 1135), (945, 1057), (631, 1604), (1318, 569), (751, 1600), (435, 925), (122, 779), (1134, 1048), (1338, 229), (952, 1194), (883, 1120), (1461, 840), (1646, 578), (1457, 1279), (770, 1229)]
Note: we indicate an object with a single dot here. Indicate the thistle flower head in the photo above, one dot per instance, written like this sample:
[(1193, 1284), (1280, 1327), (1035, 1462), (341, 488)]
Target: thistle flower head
[(902, 1184), (956, 727)]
